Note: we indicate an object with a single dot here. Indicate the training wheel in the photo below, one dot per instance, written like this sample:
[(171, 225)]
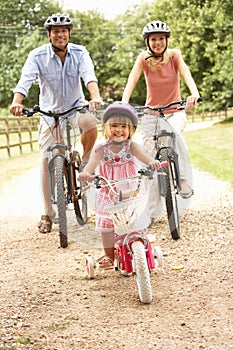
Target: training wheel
[(158, 256), (90, 266)]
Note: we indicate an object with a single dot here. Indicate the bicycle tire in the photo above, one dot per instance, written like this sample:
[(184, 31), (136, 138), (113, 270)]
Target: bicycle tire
[(80, 198), (142, 273), (170, 193), (61, 201)]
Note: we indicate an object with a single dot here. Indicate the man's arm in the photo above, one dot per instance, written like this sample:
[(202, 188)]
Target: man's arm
[(96, 100)]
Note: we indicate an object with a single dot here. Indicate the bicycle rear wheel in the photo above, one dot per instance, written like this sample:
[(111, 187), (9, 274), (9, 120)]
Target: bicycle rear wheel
[(61, 201), (169, 191), (80, 198), (142, 272)]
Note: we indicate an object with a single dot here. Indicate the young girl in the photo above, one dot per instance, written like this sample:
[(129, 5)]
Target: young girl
[(115, 159)]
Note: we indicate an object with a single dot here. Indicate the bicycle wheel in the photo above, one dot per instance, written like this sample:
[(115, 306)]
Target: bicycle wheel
[(142, 272), (80, 198), (168, 190), (61, 201)]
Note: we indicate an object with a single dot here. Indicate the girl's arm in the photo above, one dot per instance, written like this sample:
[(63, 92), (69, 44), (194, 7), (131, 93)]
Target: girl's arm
[(189, 81), (139, 152), (132, 79), (95, 158)]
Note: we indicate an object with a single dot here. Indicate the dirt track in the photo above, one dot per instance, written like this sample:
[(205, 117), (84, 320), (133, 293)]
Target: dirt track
[(47, 303)]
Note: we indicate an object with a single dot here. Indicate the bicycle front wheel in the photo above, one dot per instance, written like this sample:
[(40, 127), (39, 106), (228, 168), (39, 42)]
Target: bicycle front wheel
[(61, 201), (142, 272), (169, 191)]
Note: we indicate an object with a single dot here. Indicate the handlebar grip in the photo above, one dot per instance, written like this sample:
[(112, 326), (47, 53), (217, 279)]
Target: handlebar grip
[(163, 164), (199, 99)]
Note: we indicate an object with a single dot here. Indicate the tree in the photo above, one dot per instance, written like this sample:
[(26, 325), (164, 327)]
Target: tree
[(19, 22)]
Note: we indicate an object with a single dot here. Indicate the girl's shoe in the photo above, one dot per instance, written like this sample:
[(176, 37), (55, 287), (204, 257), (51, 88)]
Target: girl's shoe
[(105, 261)]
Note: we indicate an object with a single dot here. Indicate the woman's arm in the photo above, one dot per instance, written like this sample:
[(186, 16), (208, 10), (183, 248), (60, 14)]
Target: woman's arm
[(189, 81), (132, 79)]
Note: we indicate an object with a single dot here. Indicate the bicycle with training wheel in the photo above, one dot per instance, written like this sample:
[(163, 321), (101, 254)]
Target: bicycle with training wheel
[(165, 140), (64, 163), (135, 252)]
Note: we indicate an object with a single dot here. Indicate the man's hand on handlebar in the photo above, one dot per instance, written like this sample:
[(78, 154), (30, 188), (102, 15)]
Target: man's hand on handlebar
[(16, 109), (94, 104)]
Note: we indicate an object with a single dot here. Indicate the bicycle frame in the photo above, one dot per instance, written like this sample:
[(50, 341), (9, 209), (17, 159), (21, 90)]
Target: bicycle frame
[(166, 141)]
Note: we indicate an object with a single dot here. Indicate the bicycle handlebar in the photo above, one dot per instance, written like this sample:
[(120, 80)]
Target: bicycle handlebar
[(29, 112), (142, 172), (180, 105)]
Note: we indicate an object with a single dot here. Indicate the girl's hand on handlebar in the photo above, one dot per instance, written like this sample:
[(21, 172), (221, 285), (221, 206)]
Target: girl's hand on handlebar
[(192, 101), (84, 176), (16, 109), (154, 164)]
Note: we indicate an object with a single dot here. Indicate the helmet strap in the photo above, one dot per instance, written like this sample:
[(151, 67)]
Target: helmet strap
[(57, 49)]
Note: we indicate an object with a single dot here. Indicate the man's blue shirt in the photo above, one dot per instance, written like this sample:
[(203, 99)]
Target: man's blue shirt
[(60, 84)]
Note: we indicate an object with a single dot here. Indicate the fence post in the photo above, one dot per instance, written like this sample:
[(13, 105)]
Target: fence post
[(8, 137), (20, 136)]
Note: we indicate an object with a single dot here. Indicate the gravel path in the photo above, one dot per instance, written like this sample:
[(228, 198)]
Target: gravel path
[(46, 303)]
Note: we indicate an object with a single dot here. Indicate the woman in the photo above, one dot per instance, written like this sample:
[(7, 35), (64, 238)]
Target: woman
[(162, 69)]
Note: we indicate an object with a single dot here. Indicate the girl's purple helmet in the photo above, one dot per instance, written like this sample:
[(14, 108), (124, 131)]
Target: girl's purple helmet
[(118, 108)]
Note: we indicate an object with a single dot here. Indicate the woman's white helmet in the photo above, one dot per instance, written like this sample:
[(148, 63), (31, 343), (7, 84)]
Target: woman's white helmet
[(155, 27)]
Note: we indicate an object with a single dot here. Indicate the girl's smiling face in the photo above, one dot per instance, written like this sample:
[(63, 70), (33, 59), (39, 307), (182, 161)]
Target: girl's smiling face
[(119, 131)]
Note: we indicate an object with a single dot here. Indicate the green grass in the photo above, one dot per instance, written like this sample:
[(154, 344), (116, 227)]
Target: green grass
[(17, 165), (211, 149)]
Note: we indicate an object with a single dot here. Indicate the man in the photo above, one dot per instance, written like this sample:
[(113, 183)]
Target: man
[(59, 67)]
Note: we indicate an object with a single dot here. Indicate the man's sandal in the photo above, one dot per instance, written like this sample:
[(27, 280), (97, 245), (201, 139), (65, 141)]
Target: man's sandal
[(45, 228), (105, 261)]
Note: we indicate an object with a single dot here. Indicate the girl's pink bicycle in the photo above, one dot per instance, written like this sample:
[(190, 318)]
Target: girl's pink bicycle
[(135, 252)]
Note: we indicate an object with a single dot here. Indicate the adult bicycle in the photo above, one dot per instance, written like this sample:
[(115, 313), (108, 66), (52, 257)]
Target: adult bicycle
[(165, 141), (63, 164), (135, 252)]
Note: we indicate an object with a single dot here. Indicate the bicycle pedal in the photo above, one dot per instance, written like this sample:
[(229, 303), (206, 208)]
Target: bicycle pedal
[(108, 269)]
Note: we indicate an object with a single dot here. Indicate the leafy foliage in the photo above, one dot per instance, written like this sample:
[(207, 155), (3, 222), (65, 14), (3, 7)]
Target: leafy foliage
[(202, 29)]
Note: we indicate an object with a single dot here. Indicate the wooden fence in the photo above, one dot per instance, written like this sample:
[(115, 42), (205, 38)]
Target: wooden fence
[(206, 116), (26, 126), (20, 127)]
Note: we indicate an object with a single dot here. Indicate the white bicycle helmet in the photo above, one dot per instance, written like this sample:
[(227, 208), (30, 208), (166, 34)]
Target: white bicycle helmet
[(58, 19), (155, 27), (121, 108)]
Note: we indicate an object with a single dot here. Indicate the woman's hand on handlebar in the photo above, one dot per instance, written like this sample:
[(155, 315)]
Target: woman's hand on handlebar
[(192, 101)]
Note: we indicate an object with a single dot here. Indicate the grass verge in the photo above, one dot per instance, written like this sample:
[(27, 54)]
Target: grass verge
[(211, 149)]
